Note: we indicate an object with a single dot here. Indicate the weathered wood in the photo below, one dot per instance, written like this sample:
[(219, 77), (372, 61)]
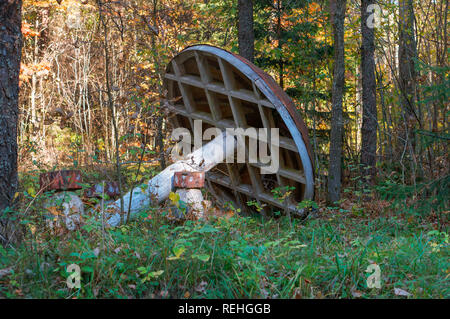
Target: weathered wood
[(218, 88), (285, 142)]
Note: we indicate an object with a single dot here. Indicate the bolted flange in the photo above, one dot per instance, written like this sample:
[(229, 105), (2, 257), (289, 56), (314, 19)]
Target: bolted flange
[(60, 180), (187, 179)]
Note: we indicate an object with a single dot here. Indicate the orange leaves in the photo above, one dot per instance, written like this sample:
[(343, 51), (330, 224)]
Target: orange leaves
[(39, 4), (55, 211), (215, 212), (60, 5), (25, 73), (38, 69), (142, 66), (311, 9), (311, 13), (43, 66), (314, 7), (323, 126), (27, 31)]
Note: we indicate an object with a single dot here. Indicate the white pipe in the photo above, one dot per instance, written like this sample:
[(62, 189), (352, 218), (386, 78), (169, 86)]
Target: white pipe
[(160, 186)]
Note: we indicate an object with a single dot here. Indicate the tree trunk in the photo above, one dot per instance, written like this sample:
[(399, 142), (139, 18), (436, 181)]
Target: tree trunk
[(280, 46), (10, 54), (369, 124), (246, 34), (407, 75), (337, 13)]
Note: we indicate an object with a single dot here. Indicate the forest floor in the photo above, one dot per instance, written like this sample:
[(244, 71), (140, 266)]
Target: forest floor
[(326, 255)]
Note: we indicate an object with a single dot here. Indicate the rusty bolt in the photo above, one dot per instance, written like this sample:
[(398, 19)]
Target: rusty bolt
[(189, 179)]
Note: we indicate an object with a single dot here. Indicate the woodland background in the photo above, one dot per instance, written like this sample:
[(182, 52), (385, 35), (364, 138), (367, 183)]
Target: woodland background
[(376, 102)]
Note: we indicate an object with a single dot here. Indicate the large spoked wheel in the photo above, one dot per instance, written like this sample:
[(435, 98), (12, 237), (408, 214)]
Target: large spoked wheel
[(225, 90)]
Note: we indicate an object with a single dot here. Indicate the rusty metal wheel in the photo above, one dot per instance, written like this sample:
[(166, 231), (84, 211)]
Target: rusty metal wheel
[(225, 90)]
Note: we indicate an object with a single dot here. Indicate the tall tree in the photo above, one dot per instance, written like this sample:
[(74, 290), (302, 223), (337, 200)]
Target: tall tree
[(369, 104), (288, 32), (10, 54), (246, 33), (406, 73), (337, 15)]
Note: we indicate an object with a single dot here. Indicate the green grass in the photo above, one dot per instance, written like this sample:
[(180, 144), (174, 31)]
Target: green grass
[(240, 257)]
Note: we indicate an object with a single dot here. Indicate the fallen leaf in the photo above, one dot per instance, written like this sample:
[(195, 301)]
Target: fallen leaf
[(156, 274), (31, 191), (5, 272), (18, 292), (401, 292), (179, 250), (54, 210), (203, 258), (297, 293)]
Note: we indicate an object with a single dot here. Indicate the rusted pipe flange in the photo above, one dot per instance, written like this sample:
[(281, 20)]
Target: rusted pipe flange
[(60, 180), (189, 179)]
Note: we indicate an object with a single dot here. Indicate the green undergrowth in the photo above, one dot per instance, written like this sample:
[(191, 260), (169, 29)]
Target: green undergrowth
[(325, 256)]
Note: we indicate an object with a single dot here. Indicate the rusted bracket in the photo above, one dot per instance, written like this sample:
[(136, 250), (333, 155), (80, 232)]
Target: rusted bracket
[(60, 180), (189, 179)]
